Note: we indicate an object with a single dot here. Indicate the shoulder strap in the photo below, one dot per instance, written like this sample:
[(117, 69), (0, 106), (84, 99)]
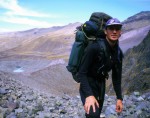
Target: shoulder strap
[(103, 48), (105, 58)]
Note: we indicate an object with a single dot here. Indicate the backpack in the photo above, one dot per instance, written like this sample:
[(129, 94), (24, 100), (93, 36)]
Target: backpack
[(100, 19), (88, 32)]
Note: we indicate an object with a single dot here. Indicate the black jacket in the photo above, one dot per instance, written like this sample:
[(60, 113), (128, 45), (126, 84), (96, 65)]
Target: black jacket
[(91, 62)]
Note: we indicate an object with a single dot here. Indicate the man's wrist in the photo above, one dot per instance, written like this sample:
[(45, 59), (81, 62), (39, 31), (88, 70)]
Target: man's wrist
[(120, 99), (88, 94)]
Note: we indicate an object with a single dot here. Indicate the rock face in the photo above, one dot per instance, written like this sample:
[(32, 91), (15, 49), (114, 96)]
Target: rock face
[(136, 67), (20, 101)]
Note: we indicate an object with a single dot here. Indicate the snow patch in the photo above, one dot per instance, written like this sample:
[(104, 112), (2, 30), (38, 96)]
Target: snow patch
[(18, 70)]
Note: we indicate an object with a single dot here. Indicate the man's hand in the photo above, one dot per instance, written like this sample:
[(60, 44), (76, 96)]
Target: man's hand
[(90, 101), (119, 106)]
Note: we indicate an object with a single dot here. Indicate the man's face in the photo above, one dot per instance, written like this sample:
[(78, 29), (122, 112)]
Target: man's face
[(113, 32)]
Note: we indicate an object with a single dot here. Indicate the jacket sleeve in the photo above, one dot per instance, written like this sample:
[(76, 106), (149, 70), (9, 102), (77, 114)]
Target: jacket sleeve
[(86, 63), (117, 77)]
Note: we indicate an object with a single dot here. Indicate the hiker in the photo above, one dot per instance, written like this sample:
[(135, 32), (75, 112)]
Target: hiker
[(92, 84)]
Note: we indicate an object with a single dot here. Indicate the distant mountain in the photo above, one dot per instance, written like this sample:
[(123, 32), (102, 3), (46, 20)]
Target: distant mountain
[(11, 40), (136, 21), (53, 44), (49, 43), (135, 28), (21, 39), (133, 38)]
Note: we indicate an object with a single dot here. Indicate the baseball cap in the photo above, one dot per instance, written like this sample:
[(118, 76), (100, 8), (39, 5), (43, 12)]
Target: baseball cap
[(113, 21)]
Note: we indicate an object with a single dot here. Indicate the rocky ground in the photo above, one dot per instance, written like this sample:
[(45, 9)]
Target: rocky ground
[(19, 101)]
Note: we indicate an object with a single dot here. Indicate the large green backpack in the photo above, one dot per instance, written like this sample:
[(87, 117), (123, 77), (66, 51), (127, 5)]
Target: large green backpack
[(85, 35)]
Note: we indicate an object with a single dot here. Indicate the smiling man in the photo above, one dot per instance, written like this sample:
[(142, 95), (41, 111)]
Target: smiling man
[(94, 70), (113, 32)]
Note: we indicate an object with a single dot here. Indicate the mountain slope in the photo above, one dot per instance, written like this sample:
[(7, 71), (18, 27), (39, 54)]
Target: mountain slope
[(133, 38), (135, 28), (52, 44), (136, 67), (12, 40), (35, 37), (137, 21)]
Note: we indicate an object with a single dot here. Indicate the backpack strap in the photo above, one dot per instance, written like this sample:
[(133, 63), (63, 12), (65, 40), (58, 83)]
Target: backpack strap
[(103, 49), (105, 58)]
